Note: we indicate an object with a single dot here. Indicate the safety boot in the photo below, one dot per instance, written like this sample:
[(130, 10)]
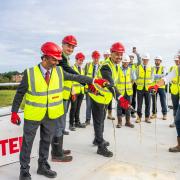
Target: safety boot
[(147, 120), (176, 148), (57, 153), (128, 123), (153, 116), (173, 124), (24, 175), (138, 120), (119, 125), (110, 115), (164, 117), (102, 150)]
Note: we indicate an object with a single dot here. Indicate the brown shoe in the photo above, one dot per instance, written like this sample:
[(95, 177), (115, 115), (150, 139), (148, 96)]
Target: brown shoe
[(119, 125), (147, 120), (128, 123), (172, 125), (164, 117), (176, 148), (110, 115)]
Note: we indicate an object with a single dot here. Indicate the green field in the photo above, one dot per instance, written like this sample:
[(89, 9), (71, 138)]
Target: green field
[(6, 98)]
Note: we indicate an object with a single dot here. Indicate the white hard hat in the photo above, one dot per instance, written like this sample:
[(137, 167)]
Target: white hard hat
[(176, 58), (158, 57), (125, 58), (146, 56), (107, 52), (132, 54)]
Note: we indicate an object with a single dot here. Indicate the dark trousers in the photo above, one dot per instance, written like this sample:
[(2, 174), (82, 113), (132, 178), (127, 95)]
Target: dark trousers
[(146, 95), (110, 106), (47, 127), (75, 109), (88, 107), (177, 121), (162, 95), (134, 97), (119, 109), (175, 102), (98, 114)]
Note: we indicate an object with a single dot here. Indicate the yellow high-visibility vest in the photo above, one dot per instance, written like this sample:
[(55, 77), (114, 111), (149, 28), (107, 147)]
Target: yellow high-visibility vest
[(41, 98), (175, 83), (77, 88), (124, 82), (160, 71), (144, 80), (67, 88), (105, 96)]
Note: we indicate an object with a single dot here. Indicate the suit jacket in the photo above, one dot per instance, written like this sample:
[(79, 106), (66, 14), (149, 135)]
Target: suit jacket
[(107, 74)]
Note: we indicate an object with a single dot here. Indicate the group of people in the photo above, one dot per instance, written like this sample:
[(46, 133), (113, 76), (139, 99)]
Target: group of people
[(52, 86)]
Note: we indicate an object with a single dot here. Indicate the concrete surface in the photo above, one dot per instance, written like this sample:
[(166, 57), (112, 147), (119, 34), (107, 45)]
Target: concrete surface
[(139, 154)]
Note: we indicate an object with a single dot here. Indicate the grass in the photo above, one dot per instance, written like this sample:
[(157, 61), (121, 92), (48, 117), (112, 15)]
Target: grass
[(6, 98)]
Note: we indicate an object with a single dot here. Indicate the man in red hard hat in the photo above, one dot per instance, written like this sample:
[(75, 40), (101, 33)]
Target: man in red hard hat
[(77, 95), (108, 71), (91, 69), (42, 86)]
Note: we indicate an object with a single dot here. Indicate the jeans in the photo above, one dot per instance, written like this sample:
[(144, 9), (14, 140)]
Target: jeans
[(88, 107), (162, 95), (134, 97), (146, 95), (175, 102), (177, 121)]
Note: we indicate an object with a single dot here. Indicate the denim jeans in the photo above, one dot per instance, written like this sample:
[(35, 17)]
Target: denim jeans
[(162, 95), (177, 121), (175, 102)]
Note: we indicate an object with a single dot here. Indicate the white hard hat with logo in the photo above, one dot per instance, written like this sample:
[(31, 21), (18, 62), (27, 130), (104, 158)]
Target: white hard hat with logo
[(145, 56), (125, 58), (158, 57)]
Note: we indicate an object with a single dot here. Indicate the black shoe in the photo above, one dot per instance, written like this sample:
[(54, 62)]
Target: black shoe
[(106, 143), (66, 132), (72, 128), (80, 125), (102, 150), (87, 122), (24, 175), (44, 169)]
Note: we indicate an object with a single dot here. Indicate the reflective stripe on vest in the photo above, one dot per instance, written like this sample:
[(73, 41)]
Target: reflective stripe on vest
[(175, 83), (124, 82), (160, 72), (144, 79), (77, 88), (41, 98)]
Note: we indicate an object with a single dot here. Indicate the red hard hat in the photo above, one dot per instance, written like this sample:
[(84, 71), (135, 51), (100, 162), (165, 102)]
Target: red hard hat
[(80, 56), (95, 54), (70, 40), (51, 49), (117, 47)]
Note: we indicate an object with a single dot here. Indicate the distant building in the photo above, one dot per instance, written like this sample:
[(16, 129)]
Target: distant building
[(17, 78)]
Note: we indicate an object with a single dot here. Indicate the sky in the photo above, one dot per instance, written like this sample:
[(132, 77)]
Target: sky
[(152, 26)]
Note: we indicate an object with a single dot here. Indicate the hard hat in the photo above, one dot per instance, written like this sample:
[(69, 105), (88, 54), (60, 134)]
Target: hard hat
[(107, 52), (145, 56), (125, 58), (95, 54), (158, 57), (80, 56), (117, 47), (51, 49), (176, 58), (70, 39), (132, 54)]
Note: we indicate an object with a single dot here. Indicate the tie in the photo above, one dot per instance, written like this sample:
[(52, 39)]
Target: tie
[(144, 68), (79, 69), (116, 68), (157, 69), (47, 77), (94, 70)]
